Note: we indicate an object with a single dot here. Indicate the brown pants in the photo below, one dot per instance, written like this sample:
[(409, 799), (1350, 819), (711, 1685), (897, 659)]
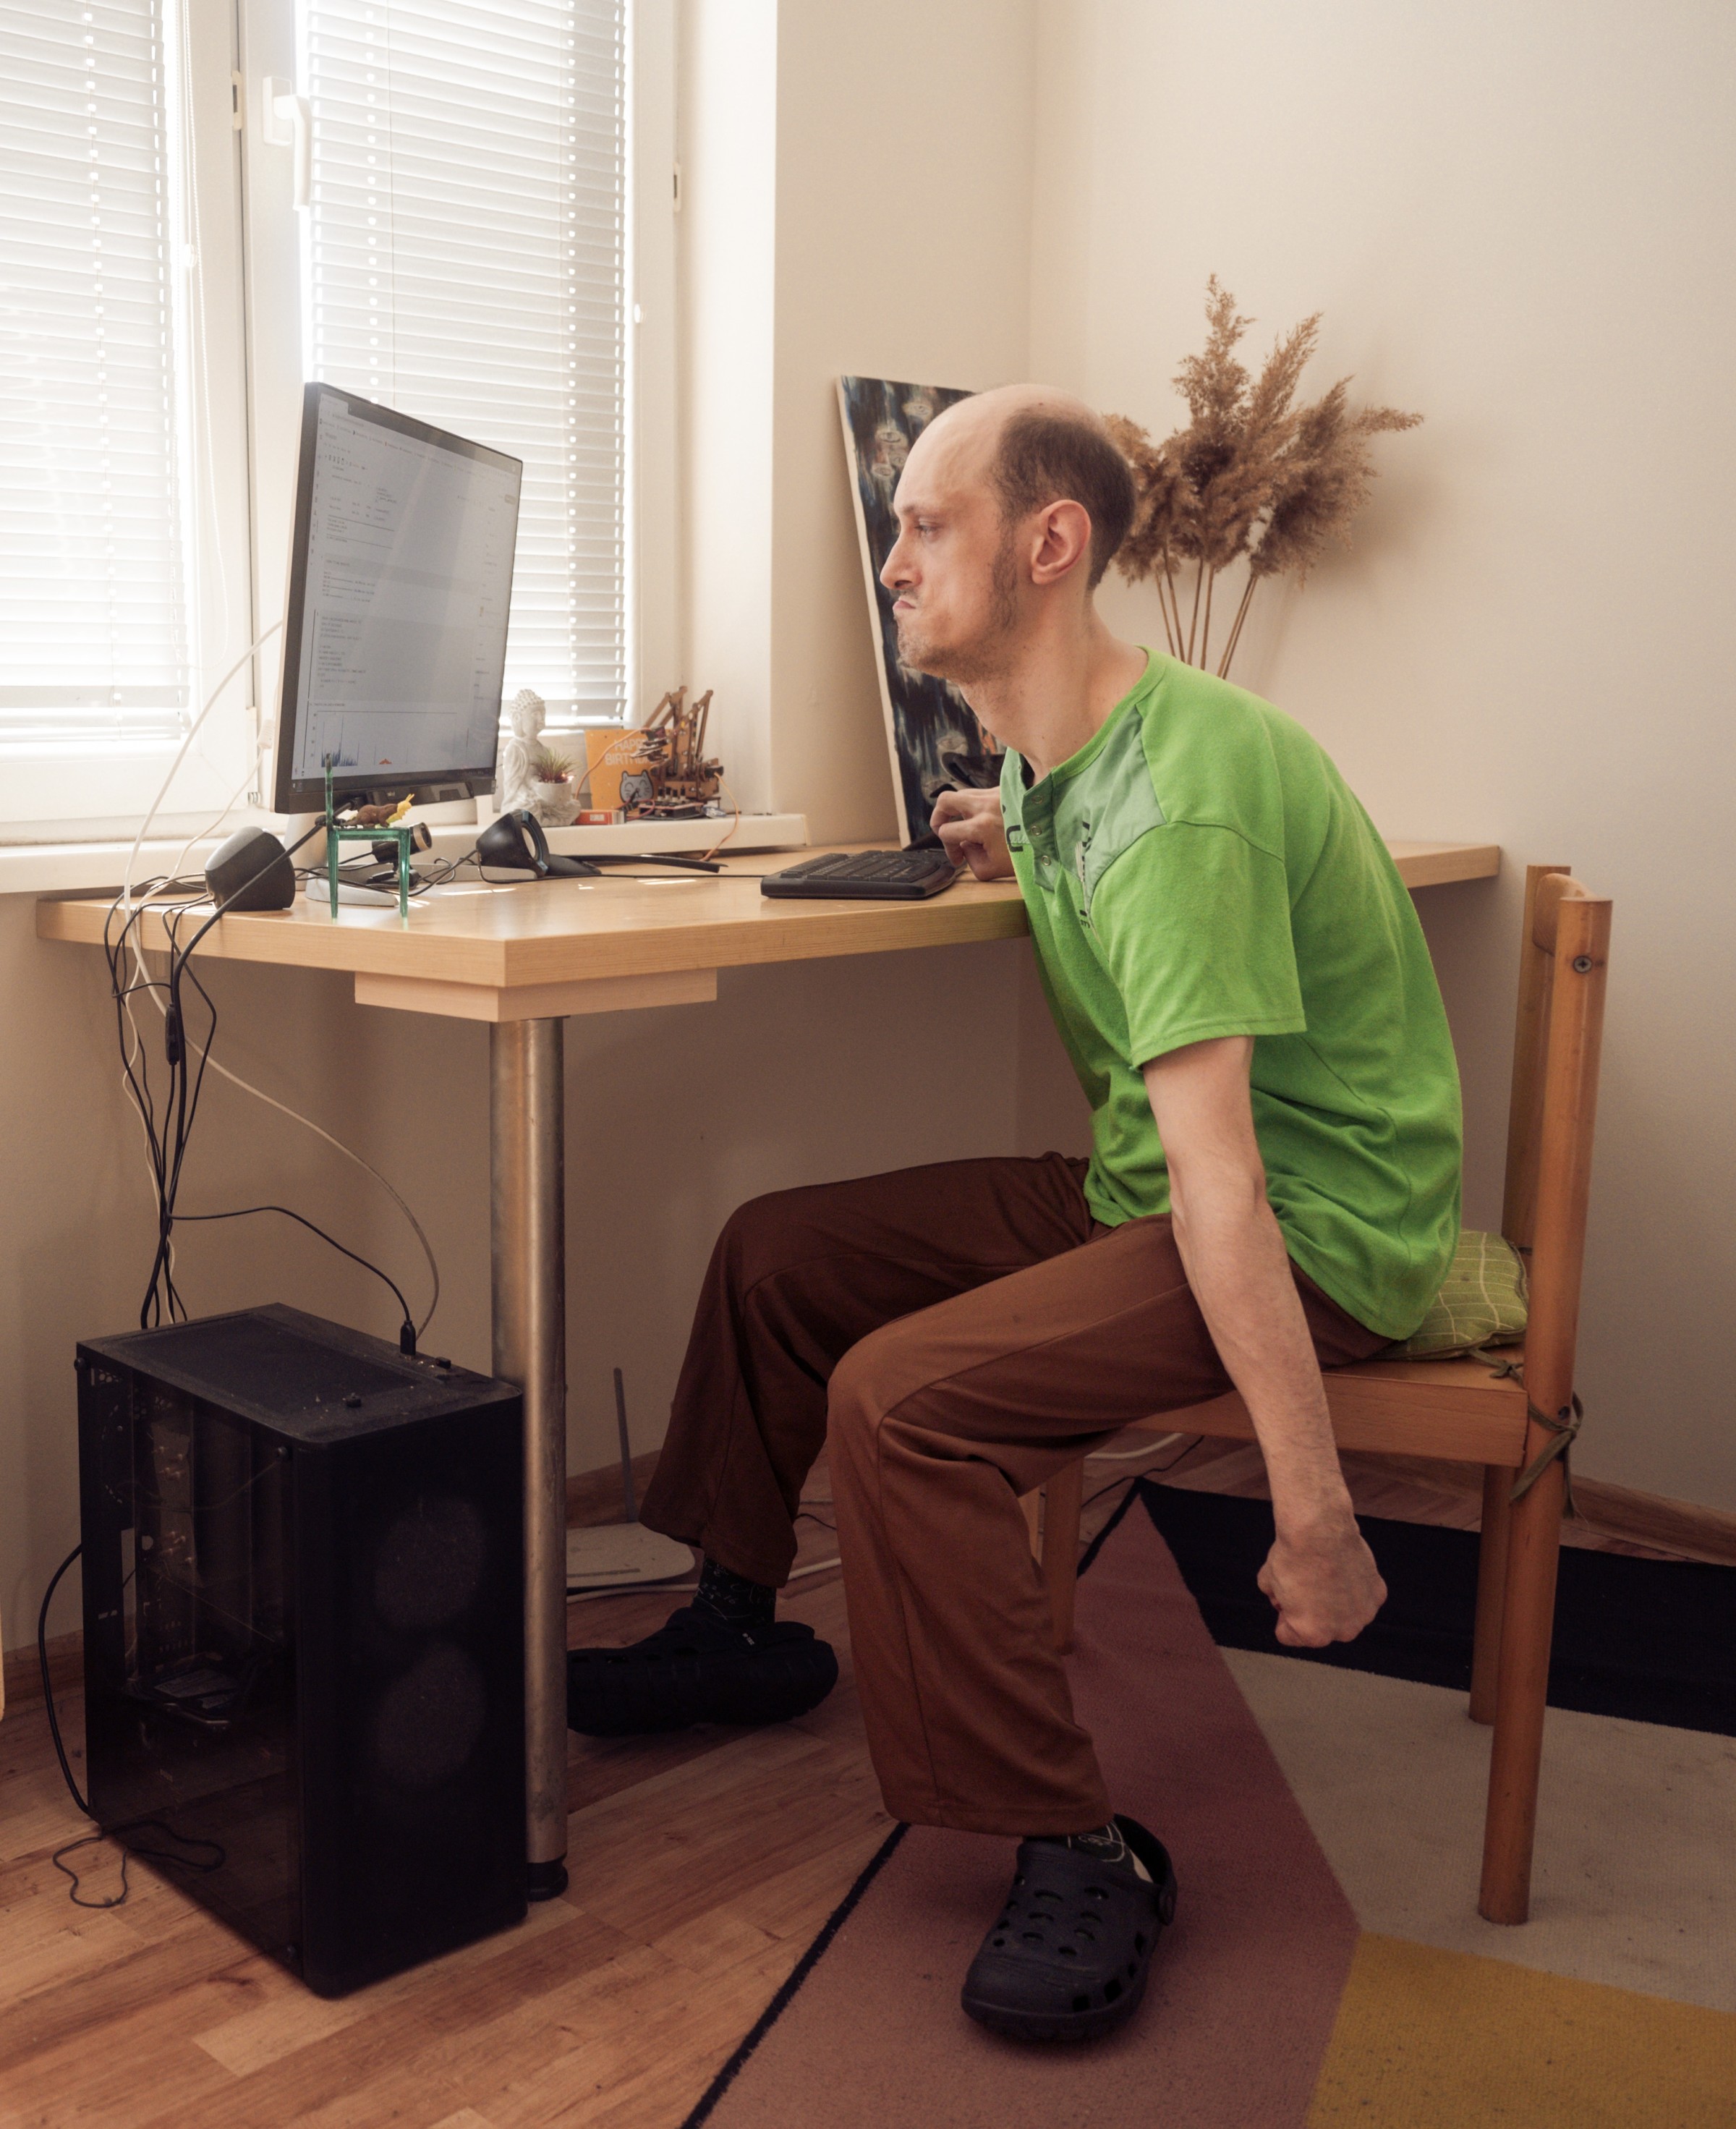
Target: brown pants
[(960, 1333)]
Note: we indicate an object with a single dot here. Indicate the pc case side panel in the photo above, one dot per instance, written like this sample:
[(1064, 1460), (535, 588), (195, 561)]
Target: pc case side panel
[(106, 1537), (188, 1665), (409, 1580)]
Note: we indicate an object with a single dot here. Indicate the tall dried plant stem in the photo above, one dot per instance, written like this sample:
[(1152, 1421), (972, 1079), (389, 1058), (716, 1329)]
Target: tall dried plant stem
[(1235, 627), (1169, 633), (1172, 610), (1175, 603), (1211, 585), (1193, 618)]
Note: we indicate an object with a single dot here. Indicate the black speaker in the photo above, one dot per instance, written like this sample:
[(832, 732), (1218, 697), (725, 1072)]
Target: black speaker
[(304, 1634), (252, 871)]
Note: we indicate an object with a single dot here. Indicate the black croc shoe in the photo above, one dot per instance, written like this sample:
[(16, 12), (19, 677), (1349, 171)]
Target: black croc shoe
[(1067, 1960), (698, 1669)]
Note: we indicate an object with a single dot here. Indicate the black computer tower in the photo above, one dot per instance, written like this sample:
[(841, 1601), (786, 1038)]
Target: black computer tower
[(304, 1634)]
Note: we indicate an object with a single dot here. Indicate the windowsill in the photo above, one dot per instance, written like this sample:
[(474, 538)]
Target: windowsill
[(72, 868), (59, 868)]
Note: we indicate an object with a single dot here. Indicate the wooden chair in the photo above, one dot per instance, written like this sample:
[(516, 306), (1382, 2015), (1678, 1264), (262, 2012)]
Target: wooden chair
[(1460, 1411)]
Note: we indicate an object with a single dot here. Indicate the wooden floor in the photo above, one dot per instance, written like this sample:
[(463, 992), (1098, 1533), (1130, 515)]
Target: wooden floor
[(701, 1868)]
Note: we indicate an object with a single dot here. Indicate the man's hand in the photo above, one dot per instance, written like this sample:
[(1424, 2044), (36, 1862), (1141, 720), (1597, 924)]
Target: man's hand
[(1324, 1588), (970, 824), (1319, 1575)]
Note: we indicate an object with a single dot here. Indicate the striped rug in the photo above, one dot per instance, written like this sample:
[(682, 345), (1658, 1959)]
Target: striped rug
[(1275, 2004)]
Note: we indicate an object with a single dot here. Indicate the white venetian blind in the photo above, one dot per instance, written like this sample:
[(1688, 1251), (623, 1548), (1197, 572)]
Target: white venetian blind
[(94, 625), (466, 265)]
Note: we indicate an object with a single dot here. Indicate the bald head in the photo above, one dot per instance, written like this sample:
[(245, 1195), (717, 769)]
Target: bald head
[(1036, 445)]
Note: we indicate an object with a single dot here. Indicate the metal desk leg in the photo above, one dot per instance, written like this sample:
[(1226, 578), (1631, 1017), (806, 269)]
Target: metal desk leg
[(527, 1146)]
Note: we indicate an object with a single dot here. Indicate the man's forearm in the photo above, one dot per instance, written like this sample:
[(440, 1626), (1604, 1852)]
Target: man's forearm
[(1234, 1254)]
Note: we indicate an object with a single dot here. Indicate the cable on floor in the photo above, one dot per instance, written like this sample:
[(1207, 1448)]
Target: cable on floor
[(128, 1848), (579, 1595)]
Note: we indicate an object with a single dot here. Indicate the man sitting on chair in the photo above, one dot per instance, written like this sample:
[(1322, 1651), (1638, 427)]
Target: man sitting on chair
[(1241, 983)]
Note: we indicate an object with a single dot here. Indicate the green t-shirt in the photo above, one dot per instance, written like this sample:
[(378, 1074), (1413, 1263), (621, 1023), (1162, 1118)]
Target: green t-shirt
[(1201, 869)]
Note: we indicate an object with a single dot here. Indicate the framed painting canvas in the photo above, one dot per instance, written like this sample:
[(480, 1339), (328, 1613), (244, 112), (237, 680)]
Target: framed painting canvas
[(934, 739)]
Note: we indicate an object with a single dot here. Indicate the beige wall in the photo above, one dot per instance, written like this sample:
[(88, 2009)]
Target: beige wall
[(857, 185), (726, 140), (1517, 220), (903, 250)]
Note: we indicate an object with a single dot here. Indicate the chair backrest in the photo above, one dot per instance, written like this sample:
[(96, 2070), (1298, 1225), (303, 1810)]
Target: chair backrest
[(1563, 965)]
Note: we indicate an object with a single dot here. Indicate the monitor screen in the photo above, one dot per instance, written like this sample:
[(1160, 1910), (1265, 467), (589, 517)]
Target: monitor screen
[(400, 584)]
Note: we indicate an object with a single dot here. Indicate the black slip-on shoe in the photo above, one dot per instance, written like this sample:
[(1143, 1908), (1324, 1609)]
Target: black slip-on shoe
[(1068, 1958), (697, 1668)]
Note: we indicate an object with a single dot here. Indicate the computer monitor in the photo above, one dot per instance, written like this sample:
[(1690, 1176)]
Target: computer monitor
[(395, 629)]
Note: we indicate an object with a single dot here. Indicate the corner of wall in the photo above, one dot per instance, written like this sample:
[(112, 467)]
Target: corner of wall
[(830, 226)]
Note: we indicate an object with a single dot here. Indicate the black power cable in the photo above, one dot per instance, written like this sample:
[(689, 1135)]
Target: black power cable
[(128, 1848), (48, 1690), (169, 1129), (407, 1334)]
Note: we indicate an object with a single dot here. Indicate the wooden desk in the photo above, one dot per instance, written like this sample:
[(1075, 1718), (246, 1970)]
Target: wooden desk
[(522, 959)]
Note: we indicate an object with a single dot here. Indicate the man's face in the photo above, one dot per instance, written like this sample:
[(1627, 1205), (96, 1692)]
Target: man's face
[(952, 571)]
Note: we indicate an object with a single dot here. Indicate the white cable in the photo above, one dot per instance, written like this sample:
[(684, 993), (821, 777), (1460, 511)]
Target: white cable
[(142, 975), (130, 904), (168, 877), (1127, 1455), (1096, 1456), (681, 1588), (187, 740), (319, 1131)]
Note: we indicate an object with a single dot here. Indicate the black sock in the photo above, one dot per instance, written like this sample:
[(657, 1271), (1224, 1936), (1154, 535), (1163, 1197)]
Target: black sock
[(732, 1597)]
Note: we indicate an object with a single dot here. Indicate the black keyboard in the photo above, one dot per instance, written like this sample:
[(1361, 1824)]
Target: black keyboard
[(865, 876)]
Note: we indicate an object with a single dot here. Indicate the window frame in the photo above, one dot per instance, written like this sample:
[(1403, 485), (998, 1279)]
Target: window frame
[(115, 792), (275, 357), (248, 287)]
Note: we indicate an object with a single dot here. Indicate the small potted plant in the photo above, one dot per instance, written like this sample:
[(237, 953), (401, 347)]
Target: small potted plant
[(553, 799)]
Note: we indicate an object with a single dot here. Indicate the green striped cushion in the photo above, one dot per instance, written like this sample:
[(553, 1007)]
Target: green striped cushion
[(1482, 1301)]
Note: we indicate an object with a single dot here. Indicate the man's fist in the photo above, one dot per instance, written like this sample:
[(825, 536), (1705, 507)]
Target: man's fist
[(970, 824), (1325, 1588)]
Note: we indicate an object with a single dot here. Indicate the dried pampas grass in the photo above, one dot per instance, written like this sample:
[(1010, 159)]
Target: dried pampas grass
[(1252, 475)]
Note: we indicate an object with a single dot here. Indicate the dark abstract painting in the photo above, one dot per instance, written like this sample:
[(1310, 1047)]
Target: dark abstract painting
[(936, 741)]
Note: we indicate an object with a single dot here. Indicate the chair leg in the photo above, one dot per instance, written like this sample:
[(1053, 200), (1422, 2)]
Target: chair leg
[(1528, 1615), (1491, 1582), (1061, 1499)]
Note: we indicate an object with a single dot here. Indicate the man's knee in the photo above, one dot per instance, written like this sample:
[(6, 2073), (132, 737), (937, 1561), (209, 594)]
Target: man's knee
[(864, 1390), (760, 1238)]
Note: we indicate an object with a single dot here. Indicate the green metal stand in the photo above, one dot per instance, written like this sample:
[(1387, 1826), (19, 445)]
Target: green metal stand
[(404, 838)]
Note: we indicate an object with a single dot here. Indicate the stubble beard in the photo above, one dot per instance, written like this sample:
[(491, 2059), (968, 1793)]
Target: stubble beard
[(978, 658)]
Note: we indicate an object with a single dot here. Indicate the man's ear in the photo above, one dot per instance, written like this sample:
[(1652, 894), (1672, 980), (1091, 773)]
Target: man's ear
[(1061, 539)]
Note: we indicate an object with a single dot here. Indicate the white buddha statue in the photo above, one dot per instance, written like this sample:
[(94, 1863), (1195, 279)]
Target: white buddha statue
[(514, 785)]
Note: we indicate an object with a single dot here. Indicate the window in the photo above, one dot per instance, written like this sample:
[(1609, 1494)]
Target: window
[(106, 618), (94, 594), (464, 261), (468, 252)]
